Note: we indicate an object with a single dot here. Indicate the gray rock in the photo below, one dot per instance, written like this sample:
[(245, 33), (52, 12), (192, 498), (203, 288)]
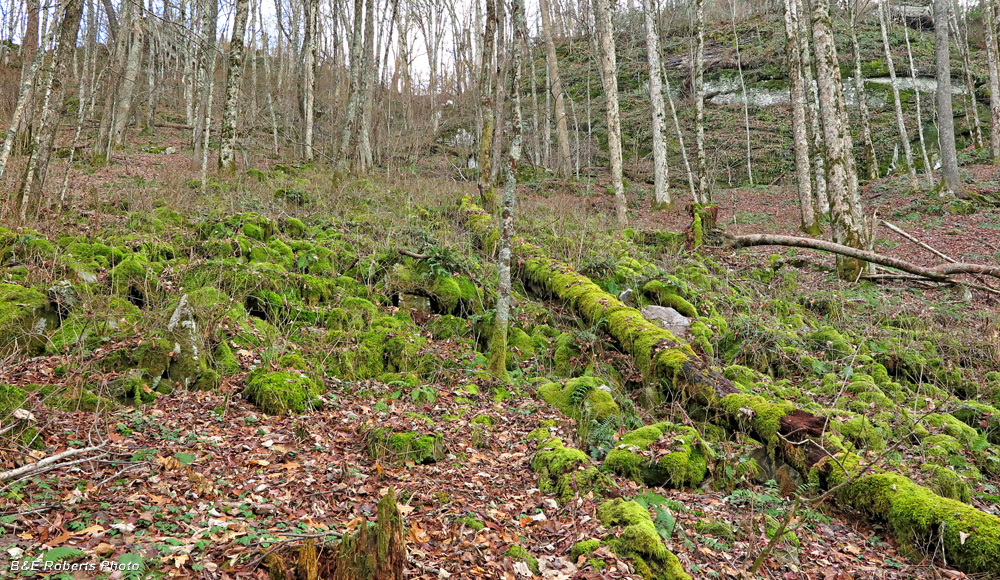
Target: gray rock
[(667, 318), (63, 297), (415, 302)]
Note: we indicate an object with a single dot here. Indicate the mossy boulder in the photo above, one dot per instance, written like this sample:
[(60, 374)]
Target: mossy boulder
[(282, 392), (565, 471), (667, 295), (581, 398), (639, 540), (447, 327), (12, 399), (25, 317), (661, 454), (408, 446)]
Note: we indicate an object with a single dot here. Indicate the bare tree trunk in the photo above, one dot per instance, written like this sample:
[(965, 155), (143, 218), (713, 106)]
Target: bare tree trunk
[(904, 137), (343, 161), (29, 48), (498, 341), (365, 159), (704, 196), (605, 34), (743, 86), (311, 17), (661, 177), (29, 198), (946, 119), (861, 95), (126, 90), (971, 109), (848, 228), (563, 164), (486, 72), (992, 58), (820, 197), (210, 18), (267, 85), (227, 136), (920, 118), (800, 136)]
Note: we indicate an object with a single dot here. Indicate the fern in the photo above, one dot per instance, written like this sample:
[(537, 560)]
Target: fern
[(580, 392), (602, 436)]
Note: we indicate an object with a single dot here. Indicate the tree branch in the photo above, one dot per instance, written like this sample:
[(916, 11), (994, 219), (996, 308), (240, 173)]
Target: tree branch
[(43, 463)]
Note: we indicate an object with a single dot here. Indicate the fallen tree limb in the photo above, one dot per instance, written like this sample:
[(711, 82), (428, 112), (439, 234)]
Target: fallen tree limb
[(900, 231), (47, 463), (414, 255), (916, 515), (941, 272)]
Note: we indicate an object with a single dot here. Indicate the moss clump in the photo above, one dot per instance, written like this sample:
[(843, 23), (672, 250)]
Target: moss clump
[(406, 446), (519, 553), (685, 464), (946, 483), (447, 327), (293, 360), (581, 398), (25, 315), (282, 392), (564, 354), (131, 276), (583, 548), (716, 528), (925, 522), (473, 523), (831, 341), (224, 359), (764, 417), (666, 295), (771, 526), (208, 380), (295, 228), (950, 425), (560, 469), (639, 540)]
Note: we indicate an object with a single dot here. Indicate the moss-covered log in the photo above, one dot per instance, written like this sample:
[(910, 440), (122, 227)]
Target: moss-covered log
[(917, 516)]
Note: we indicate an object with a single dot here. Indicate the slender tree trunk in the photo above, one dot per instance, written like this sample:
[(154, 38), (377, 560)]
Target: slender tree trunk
[(227, 137), (29, 198), (704, 196), (920, 118), (820, 197), (605, 34), (661, 177), (800, 135), (743, 87), (499, 98), (946, 119), (861, 96), (904, 137), (971, 109), (29, 48), (354, 90), (848, 228), (992, 58), (267, 85), (365, 158), (126, 91), (498, 342), (487, 72), (563, 164), (311, 17)]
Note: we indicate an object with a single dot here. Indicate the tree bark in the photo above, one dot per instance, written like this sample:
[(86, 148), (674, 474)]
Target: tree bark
[(800, 135), (861, 96), (354, 95), (992, 58), (563, 163), (29, 198), (946, 119), (820, 197), (498, 340), (704, 196), (917, 101), (609, 66), (661, 177), (227, 144), (845, 214), (487, 73), (365, 157), (897, 103)]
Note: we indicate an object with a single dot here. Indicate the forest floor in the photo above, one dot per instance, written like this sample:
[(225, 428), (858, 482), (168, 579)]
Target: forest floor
[(205, 484)]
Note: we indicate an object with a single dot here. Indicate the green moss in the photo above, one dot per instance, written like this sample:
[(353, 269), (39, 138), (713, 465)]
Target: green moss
[(946, 483), (519, 553), (860, 431), (764, 417), (208, 380), (771, 526), (295, 228), (282, 392), (25, 316), (581, 398), (583, 548), (743, 376), (565, 471), (519, 345), (132, 274), (472, 522), (684, 465), (639, 540), (447, 327), (406, 446), (224, 359), (716, 528), (540, 434), (484, 420), (293, 360), (666, 295), (835, 345), (11, 399), (952, 426)]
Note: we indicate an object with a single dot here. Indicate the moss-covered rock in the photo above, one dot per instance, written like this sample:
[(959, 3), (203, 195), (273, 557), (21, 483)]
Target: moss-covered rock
[(661, 454), (583, 547), (639, 540), (447, 327), (282, 392), (667, 295), (25, 317), (407, 446), (565, 471), (519, 553), (581, 398)]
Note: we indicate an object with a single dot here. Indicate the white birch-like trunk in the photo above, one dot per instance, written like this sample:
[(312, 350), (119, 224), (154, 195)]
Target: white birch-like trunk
[(800, 135), (661, 177), (365, 157), (563, 164), (992, 58), (946, 119), (704, 195), (820, 197), (311, 8), (862, 97), (227, 135), (904, 136), (920, 118), (605, 35)]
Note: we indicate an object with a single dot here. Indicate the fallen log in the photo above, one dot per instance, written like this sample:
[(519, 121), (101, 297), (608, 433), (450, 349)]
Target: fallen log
[(941, 272), (917, 516)]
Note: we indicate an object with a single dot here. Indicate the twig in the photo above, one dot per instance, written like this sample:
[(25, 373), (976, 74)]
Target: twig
[(414, 255), (918, 242), (46, 463)]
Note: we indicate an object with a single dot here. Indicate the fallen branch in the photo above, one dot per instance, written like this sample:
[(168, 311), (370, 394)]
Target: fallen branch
[(46, 464), (941, 272), (899, 231), (414, 255)]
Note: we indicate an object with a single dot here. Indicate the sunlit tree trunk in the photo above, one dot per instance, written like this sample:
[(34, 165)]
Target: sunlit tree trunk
[(29, 198), (904, 137), (661, 177), (800, 134), (962, 44), (311, 16), (498, 341), (845, 206), (606, 39), (563, 164), (920, 117), (861, 95), (486, 74), (227, 137), (946, 119), (704, 196), (29, 48), (992, 58)]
